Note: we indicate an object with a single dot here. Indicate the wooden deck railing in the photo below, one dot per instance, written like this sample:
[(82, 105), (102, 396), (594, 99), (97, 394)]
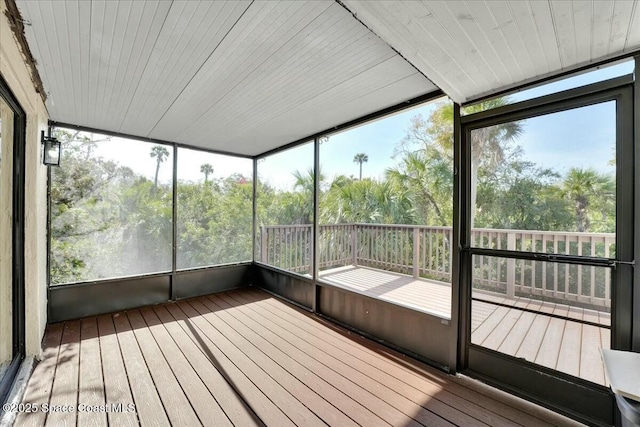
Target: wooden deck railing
[(425, 251)]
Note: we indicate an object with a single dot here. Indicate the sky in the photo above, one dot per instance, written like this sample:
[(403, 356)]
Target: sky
[(583, 137), (136, 155)]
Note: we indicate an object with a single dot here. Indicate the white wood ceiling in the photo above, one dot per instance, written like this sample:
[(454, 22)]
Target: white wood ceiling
[(473, 48), (249, 76), (237, 76)]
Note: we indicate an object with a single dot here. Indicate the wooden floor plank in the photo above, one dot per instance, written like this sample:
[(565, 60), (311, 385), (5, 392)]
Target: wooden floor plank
[(503, 329), (418, 397), (575, 313), (230, 328), (480, 312), (116, 383), (605, 318), (148, 403), (486, 328), (605, 337), (91, 387), (561, 310), (590, 355), (547, 307), (231, 403), (206, 407), (278, 393), (40, 384), (533, 339), (176, 404), (569, 356), (315, 378), (428, 394), (65, 383), (384, 402), (512, 342), (550, 346), (245, 357), (591, 316), (534, 305), (268, 412), (411, 372)]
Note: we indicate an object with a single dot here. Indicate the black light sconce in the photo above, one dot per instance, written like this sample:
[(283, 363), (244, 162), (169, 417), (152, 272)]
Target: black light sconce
[(51, 150)]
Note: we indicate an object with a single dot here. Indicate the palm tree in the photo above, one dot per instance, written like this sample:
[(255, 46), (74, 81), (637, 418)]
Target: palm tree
[(368, 201), (160, 153), (207, 170), (586, 188), (360, 158), (303, 193), (426, 179), (487, 144)]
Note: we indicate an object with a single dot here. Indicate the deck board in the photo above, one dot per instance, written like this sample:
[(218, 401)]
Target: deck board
[(284, 398), (176, 404), (91, 390), (65, 382), (497, 322), (246, 358), (426, 395), (116, 383), (149, 407), (393, 407), (265, 342), (234, 407), (388, 360), (297, 389), (202, 401), (239, 379)]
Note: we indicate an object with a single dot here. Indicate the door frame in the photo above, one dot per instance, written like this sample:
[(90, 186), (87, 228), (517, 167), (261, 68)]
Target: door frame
[(18, 297), (546, 386)]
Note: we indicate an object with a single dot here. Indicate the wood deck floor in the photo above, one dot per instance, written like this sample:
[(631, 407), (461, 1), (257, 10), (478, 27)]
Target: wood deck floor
[(498, 323), (245, 358)]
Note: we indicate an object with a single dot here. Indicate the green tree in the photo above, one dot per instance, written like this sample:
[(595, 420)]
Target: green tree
[(366, 201), (521, 195), (207, 170), (360, 158), (425, 177), (159, 153), (589, 190), (488, 144)]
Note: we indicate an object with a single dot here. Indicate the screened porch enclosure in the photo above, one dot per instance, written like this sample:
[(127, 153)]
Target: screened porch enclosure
[(320, 212), (168, 222)]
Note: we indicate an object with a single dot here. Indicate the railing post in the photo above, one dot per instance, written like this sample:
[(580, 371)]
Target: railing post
[(416, 252), (511, 267), (311, 251), (263, 246), (354, 244)]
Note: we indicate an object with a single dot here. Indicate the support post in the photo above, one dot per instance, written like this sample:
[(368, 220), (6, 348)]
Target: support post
[(354, 244), (174, 221), (254, 211), (635, 305), (315, 229), (263, 246), (511, 267), (416, 252)]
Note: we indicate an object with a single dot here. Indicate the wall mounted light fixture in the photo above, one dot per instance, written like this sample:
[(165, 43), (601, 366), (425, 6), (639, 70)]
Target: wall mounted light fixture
[(51, 150)]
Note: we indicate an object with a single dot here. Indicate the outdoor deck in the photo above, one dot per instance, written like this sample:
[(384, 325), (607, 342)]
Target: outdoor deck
[(246, 358), (561, 344)]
